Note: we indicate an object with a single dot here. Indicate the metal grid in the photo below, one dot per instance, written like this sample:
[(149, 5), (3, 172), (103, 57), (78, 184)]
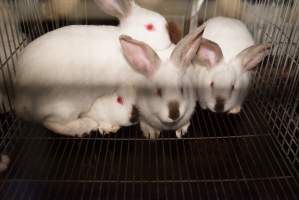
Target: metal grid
[(253, 155), (221, 157), (277, 79)]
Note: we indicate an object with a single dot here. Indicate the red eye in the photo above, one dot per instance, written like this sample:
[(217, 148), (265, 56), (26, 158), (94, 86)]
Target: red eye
[(120, 100), (159, 92), (212, 84), (150, 27)]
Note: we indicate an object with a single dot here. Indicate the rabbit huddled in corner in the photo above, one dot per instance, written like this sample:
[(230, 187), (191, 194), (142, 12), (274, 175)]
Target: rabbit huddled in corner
[(224, 64), (62, 74)]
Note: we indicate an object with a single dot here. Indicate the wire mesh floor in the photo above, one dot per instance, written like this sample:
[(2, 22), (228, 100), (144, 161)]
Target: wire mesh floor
[(222, 157)]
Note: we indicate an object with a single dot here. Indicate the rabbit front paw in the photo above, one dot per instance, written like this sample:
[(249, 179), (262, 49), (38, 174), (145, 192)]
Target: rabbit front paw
[(148, 131), (235, 110), (182, 131), (106, 128)]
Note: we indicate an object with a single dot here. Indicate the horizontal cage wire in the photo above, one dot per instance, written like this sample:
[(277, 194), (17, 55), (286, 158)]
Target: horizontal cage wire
[(251, 155)]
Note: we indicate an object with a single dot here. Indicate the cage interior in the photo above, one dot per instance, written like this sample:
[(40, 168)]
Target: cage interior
[(250, 155)]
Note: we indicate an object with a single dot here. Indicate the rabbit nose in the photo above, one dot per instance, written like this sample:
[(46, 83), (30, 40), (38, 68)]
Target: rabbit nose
[(174, 112), (219, 107)]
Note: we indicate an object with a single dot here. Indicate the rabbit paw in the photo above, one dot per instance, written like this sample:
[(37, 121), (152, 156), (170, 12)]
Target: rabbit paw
[(106, 128), (83, 127), (182, 131), (149, 132), (4, 162), (235, 110)]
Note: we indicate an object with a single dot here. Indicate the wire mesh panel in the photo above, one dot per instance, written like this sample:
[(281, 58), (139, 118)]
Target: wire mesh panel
[(278, 76), (252, 155)]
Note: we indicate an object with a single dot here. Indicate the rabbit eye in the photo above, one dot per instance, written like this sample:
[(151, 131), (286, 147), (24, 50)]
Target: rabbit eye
[(212, 84), (159, 92), (120, 100), (150, 27)]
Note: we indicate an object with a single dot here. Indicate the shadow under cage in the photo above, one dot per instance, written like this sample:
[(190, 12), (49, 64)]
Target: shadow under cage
[(252, 155)]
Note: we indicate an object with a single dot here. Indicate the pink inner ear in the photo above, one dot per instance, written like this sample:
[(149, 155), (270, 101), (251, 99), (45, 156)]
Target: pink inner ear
[(209, 56), (120, 100), (150, 27)]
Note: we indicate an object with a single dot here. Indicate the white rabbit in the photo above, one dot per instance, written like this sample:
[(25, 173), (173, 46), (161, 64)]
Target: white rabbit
[(60, 98), (115, 110), (167, 100), (62, 73), (139, 23), (171, 99), (224, 62)]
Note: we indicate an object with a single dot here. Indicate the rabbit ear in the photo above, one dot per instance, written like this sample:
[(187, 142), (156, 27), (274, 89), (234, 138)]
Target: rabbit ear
[(209, 53), (253, 55), (186, 49), (141, 57), (117, 8)]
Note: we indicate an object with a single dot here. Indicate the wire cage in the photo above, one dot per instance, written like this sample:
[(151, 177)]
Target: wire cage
[(252, 155)]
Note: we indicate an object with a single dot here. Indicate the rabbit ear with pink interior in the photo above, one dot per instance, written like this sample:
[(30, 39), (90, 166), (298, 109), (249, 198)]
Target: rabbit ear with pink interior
[(253, 55), (141, 57), (209, 53), (117, 8), (186, 49)]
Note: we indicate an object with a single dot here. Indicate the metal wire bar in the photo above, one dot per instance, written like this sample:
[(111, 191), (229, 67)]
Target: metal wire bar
[(17, 170), (279, 140), (258, 155), (221, 154)]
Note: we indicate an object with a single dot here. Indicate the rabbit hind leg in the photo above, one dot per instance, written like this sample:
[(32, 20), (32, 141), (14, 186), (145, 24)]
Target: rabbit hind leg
[(78, 127)]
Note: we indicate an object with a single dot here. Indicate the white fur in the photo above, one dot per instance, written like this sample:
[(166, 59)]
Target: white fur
[(135, 26), (232, 36), (154, 111), (62, 73), (172, 76), (110, 114), (271, 21)]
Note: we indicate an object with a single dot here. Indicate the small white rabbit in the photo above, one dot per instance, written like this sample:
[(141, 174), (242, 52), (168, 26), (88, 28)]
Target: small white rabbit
[(167, 100), (115, 110), (224, 62), (62, 73)]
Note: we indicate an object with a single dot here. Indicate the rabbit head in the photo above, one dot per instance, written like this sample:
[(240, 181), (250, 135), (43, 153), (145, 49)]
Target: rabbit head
[(139, 23), (222, 85), (165, 96)]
